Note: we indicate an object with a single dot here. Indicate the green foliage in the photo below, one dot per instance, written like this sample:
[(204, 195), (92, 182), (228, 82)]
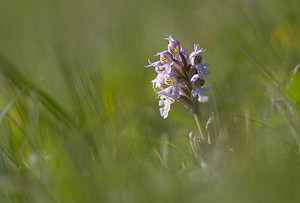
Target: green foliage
[(80, 122)]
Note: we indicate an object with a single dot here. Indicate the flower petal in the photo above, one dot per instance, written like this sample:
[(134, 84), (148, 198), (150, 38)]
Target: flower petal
[(164, 111), (201, 68)]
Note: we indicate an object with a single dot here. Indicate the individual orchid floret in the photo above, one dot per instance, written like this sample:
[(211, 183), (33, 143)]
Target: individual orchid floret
[(165, 57), (196, 60), (164, 79), (197, 82), (159, 66), (174, 45), (196, 56), (164, 63)]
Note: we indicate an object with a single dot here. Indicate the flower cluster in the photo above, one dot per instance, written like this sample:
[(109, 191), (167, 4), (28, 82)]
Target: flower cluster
[(180, 77)]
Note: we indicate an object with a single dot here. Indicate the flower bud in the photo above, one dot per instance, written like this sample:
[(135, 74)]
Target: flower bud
[(185, 53)]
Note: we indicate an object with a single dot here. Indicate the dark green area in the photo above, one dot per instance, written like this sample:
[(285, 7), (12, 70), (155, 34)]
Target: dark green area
[(80, 121)]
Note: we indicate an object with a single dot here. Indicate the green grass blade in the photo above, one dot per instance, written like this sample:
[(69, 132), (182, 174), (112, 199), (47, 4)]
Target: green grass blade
[(11, 73)]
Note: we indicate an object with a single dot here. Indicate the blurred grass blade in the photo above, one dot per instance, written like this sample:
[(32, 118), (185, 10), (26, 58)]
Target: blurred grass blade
[(22, 131), (10, 105), (8, 156), (260, 67), (279, 88), (12, 102), (255, 121), (11, 73), (53, 107), (295, 71)]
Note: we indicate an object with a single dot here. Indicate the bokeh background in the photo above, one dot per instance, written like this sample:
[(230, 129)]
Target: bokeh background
[(80, 121)]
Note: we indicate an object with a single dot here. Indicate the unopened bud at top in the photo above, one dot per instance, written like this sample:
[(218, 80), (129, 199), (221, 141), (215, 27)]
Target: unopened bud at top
[(184, 53)]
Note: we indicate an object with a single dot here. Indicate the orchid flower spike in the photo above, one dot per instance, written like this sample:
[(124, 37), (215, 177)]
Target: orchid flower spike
[(180, 77)]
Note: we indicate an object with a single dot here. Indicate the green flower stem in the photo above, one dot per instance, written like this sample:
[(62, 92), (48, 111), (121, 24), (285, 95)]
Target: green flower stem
[(202, 135)]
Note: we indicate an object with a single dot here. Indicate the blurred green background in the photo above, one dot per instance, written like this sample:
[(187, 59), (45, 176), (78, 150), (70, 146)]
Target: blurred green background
[(80, 121)]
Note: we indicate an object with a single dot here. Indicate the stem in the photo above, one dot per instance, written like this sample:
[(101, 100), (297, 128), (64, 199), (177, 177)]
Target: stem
[(203, 137)]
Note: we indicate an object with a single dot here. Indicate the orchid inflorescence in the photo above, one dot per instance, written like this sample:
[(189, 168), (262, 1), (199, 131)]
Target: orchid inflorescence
[(180, 77)]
